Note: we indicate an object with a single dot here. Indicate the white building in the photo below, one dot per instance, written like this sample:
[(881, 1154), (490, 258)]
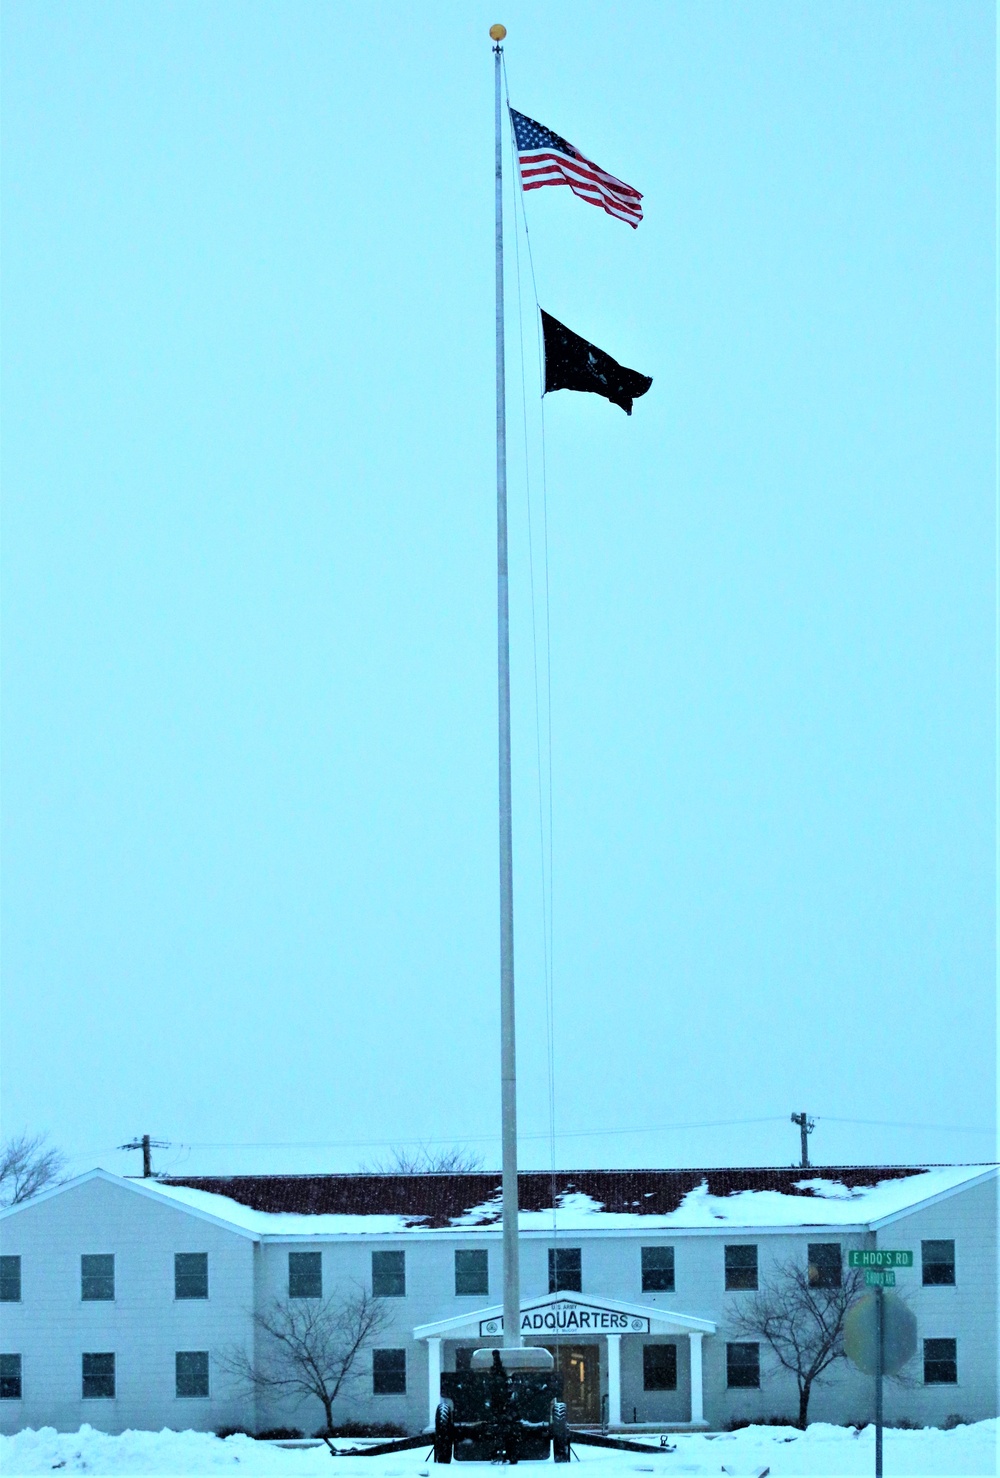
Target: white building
[(118, 1296)]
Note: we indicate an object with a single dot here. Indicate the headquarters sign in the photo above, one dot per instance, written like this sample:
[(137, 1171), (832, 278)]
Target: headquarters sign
[(571, 1318)]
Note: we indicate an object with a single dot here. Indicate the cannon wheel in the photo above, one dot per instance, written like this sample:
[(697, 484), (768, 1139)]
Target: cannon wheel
[(560, 1433), (444, 1431)]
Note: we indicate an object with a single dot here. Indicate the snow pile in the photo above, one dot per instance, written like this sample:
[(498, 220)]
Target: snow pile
[(821, 1452), (166, 1452)]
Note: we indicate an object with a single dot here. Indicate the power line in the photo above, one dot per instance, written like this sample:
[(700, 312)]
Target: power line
[(318, 1144), (901, 1124), (571, 1134), (313, 1144)]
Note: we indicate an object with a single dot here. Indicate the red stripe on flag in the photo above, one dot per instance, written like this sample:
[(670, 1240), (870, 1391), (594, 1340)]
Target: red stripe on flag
[(583, 169)]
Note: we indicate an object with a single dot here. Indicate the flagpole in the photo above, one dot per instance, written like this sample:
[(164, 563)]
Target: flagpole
[(508, 1070)]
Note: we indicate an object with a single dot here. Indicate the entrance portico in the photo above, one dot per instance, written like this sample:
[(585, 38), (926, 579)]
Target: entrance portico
[(585, 1324)]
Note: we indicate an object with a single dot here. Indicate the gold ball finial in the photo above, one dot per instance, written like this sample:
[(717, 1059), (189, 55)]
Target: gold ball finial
[(497, 32)]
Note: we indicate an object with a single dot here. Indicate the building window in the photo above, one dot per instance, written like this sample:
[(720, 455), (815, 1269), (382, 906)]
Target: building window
[(191, 1368), (389, 1372), (940, 1362), (824, 1264), (741, 1266), (565, 1273), (463, 1358), (10, 1377), (743, 1365), (938, 1260), (97, 1276), (98, 1377), (389, 1275), (657, 1271), (10, 1280), (659, 1367), (472, 1271), (190, 1275), (305, 1275)]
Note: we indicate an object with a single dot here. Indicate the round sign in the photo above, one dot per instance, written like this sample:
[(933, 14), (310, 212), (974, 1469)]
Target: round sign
[(899, 1334)]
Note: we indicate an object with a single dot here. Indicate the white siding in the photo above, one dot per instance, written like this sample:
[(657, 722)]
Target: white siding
[(966, 1312), (52, 1327), (145, 1326)]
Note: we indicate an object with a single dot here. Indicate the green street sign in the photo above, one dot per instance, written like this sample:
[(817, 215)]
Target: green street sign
[(880, 1278), (879, 1257)]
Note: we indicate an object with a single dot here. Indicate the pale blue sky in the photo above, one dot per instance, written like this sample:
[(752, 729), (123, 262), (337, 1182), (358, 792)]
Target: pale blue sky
[(249, 581)]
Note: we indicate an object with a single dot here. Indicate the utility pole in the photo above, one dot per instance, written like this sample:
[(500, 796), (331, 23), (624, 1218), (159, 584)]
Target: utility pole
[(147, 1145), (806, 1127)]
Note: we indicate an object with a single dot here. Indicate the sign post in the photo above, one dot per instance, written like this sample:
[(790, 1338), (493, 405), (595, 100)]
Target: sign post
[(880, 1334), (879, 1373)]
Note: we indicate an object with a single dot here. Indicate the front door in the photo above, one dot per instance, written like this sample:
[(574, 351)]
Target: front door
[(580, 1368)]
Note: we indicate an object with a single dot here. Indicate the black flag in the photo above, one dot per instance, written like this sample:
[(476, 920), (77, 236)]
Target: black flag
[(573, 364)]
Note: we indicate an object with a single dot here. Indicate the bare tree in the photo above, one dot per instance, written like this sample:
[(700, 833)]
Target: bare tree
[(28, 1166), (401, 1161), (311, 1346), (801, 1319)]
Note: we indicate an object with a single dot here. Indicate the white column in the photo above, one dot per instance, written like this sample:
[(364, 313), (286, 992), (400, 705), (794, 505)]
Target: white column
[(433, 1378), (697, 1379), (614, 1380)]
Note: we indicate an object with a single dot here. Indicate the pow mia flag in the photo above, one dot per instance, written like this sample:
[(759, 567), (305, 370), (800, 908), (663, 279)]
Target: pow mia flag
[(573, 364)]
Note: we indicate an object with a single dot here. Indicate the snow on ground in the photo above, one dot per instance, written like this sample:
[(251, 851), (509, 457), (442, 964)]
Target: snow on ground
[(821, 1452)]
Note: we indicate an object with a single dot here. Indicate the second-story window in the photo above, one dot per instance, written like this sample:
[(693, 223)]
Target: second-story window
[(565, 1270), (657, 1270), (741, 1265), (10, 1280), (97, 1276), (824, 1266), (389, 1274), (938, 1260), (472, 1271), (190, 1275), (305, 1275)]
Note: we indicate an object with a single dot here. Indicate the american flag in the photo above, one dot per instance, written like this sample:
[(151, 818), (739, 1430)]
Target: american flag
[(547, 159)]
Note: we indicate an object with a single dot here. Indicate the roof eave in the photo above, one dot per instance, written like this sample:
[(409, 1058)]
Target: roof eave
[(98, 1173), (955, 1190)]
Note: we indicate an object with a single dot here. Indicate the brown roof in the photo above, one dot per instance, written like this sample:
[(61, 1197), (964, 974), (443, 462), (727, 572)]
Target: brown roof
[(436, 1200)]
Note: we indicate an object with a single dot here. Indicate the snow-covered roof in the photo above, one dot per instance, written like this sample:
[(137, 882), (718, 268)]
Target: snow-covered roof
[(587, 1201)]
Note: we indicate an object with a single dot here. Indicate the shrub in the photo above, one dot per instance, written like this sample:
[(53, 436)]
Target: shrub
[(362, 1429), (906, 1424), (232, 1432), (737, 1423), (952, 1421), (276, 1434)]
